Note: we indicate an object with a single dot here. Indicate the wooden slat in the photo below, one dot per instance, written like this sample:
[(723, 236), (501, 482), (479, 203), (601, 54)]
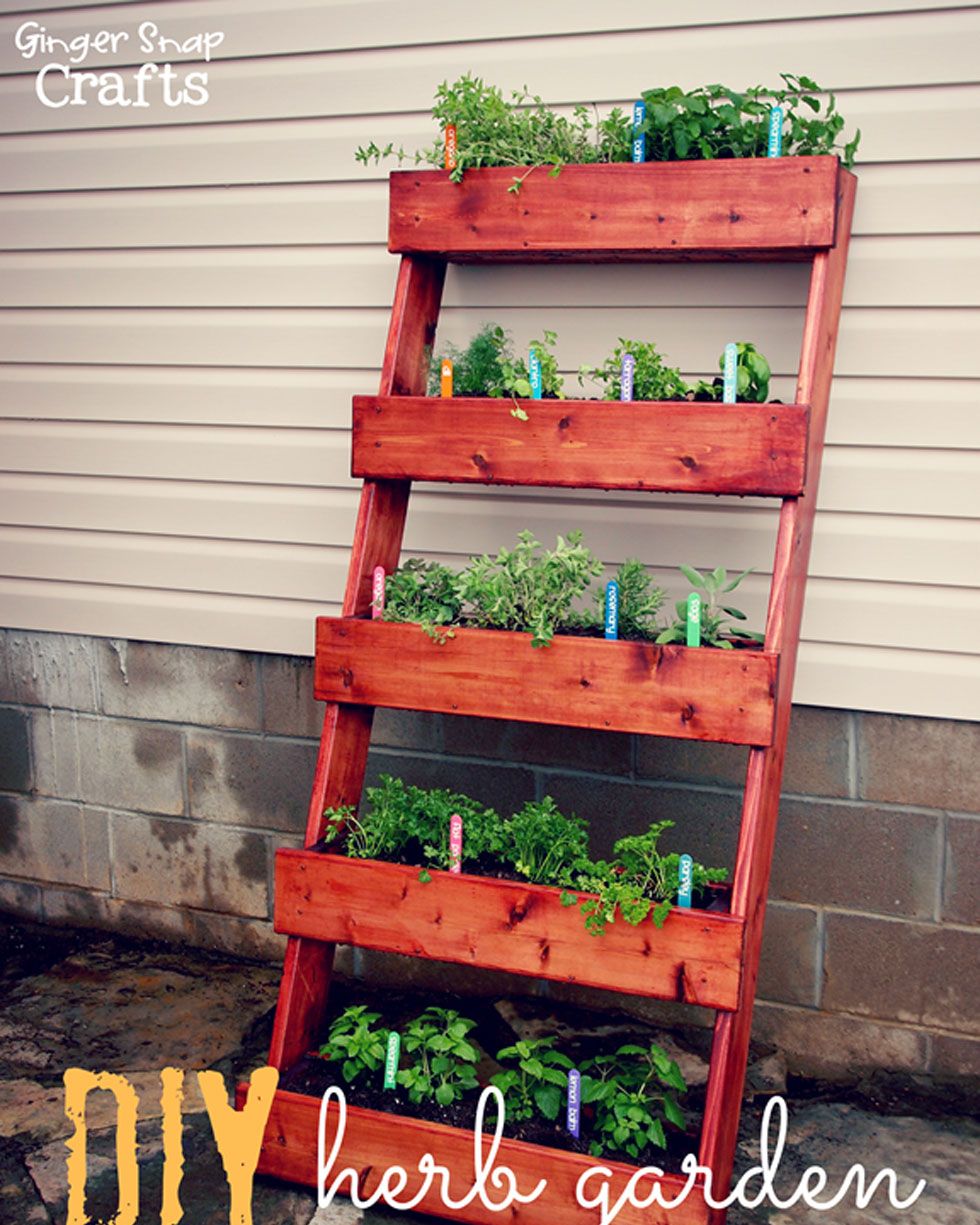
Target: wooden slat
[(697, 693), (784, 206), (505, 925), (692, 448), (374, 1141)]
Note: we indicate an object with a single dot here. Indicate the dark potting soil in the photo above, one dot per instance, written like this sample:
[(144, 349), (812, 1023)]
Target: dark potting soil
[(312, 1076)]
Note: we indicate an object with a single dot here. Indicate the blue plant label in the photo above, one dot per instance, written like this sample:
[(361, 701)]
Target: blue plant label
[(694, 620), (731, 373), (685, 881), (639, 140), (612, 609), (534, 369), (775, 148), (626, 377), (574, 1111), (391, 1058)]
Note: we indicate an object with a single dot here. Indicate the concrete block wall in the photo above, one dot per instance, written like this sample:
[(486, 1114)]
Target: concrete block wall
[(145, 788)]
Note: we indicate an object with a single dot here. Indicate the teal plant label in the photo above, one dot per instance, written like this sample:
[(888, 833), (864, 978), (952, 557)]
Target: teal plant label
[(731, 373), (685, 880), (377, 592), (455, 843), (775, 147), (391, 1058), (694, 620), (639, 140), (534, 370), (626, 377), (573, 1112), (612, 609)]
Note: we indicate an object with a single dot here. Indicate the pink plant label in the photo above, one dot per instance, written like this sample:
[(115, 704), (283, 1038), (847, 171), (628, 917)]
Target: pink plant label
[(455, 843), (377, 592)]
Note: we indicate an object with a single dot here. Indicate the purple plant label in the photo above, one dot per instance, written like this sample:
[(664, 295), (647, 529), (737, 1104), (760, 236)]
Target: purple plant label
[(694, 620), (455, 843), (612, 609), (574, 1111), (377, 592), (685, 881), (639, 140), (626, 377), (730, 373), (534, 370), (775, 146), (391, 1058)]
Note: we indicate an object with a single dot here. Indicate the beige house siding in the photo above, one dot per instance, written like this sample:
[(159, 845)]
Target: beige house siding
[(191, 296)]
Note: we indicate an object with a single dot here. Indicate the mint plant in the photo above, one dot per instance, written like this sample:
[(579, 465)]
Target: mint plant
[(443, 1068), (716, 618), (537, 1082), (631, 1092), (355, 1042), (652, 379), (515, 377)]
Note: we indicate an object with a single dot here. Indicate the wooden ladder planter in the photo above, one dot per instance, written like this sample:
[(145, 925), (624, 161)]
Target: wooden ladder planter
[(778, 209)]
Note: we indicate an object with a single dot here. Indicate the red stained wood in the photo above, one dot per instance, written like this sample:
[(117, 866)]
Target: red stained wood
[(775, 208), (373, 1142), (505, 925), (699, 693), (689, 448)]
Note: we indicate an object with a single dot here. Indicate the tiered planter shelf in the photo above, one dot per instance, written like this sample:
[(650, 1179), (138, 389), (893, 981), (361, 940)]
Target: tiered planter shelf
[(778, 209)]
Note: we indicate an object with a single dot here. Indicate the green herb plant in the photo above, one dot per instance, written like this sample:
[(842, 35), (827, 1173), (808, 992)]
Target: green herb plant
[(444, 1064), (716, 618), (537, 1081), (652, 378), (752, 375), (478, 367), (354, 1041), (632, 1092), (543, 843), (426, 593)]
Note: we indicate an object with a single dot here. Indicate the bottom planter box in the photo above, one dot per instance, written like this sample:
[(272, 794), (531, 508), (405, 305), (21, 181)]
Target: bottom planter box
[(505, 925), (373, 1142)]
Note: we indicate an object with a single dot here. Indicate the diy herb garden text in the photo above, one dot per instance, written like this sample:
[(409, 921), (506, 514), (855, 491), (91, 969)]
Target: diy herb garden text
[(61, 82)]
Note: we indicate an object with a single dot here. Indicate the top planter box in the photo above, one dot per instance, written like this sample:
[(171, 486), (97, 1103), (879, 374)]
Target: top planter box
[(748, 208)]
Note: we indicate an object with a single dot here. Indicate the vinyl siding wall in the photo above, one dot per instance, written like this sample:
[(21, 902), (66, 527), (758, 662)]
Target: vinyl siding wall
[(192, 295)]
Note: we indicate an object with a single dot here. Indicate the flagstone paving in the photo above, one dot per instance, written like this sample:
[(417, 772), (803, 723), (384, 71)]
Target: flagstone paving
[(77, 999)]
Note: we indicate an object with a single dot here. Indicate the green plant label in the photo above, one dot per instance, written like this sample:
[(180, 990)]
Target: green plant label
[(573, 1112), (612, 609), (685, 878), (377, 592), (626, 377), (450, 157), (694, 620), (455, 843), (639, 140), (775, 147), (391, 1058), (534, 371), (730, 369)]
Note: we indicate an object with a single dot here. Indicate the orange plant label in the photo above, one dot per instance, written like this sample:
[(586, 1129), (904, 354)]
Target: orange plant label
[(450, 146)]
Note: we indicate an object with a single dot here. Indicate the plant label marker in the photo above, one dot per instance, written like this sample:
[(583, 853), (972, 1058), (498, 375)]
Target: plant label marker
[(446, 379), (455, 843), (626, 377), (574, 1110), (450, 146), (377, 593), (775, 147), (391, 1058), (694, 620), (639, 140), (731, 373), (534, 370), (685, 881), (612, 609)]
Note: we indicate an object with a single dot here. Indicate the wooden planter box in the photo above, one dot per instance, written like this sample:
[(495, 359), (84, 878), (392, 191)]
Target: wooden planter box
[(752, 208), (700, 693), (374, 1141), (755, 449), (505, 925)]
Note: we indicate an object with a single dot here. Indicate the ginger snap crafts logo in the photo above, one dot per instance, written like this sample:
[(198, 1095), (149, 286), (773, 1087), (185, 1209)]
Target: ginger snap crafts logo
[(62, 79)]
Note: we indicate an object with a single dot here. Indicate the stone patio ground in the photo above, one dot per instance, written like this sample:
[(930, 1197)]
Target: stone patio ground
[(77, 999)]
